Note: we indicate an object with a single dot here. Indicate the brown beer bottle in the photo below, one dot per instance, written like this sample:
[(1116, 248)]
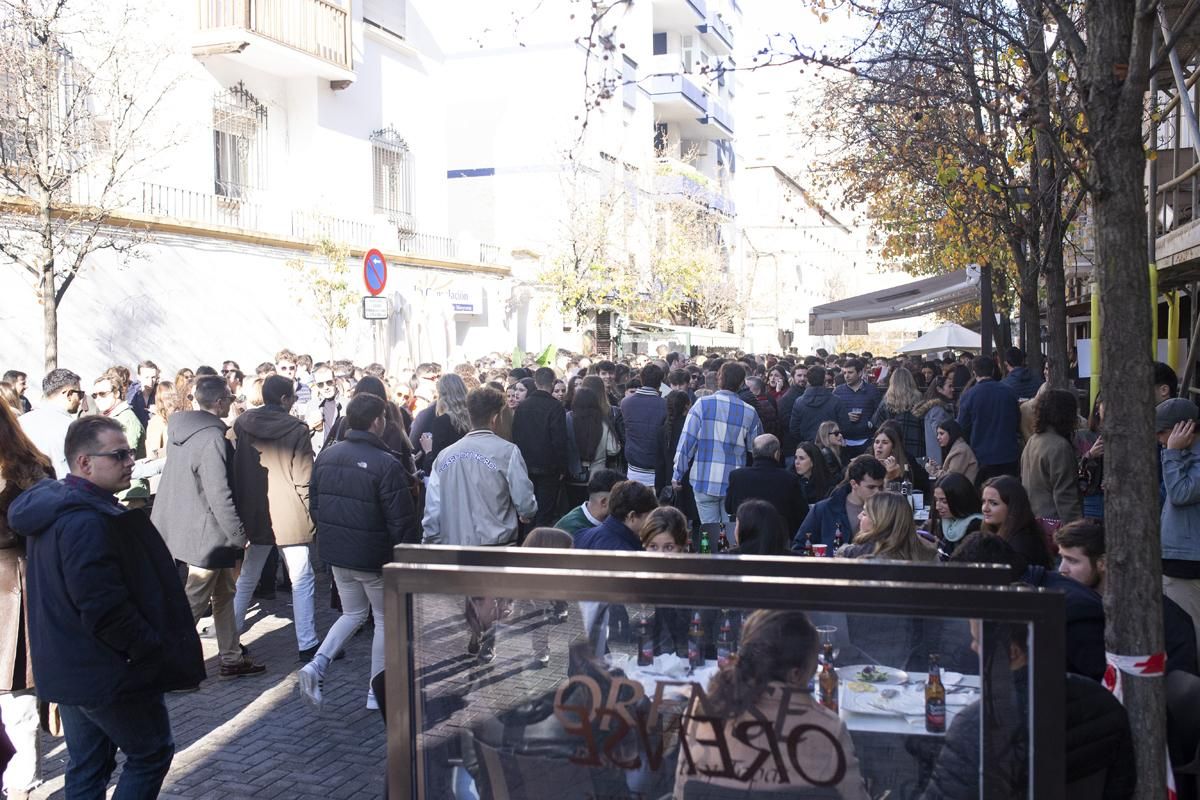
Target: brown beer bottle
[(829, 681), (935, 698)]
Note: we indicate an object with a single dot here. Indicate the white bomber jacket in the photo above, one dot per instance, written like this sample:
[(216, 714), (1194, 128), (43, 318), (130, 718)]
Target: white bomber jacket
[(478, 488)]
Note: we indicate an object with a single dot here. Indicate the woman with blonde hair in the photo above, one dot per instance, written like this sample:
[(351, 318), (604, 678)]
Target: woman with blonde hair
[(886, 530), (899, 407), (450, 423), (166, 403), (767, 684), (832, 443)]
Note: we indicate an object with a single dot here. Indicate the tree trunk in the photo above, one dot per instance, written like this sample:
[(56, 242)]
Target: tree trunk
[(1027, 298), (987, 316), (49, 287), (1118, 54), (1056, 314)]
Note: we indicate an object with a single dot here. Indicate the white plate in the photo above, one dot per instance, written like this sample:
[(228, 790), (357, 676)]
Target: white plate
[(895, 676), (907, 702)]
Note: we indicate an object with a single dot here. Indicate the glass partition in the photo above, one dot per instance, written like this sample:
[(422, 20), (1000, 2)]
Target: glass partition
[(656, 684)]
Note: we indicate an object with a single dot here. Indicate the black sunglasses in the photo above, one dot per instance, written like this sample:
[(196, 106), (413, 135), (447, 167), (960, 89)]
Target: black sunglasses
[(120, 454)]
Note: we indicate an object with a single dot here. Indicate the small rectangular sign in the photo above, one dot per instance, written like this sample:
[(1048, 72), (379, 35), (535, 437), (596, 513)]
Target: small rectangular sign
[(375, 308)]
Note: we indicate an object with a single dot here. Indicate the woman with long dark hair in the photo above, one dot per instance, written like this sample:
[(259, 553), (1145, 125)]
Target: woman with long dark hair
[(759, 530), (1049, 470), (889, 450), (21, 466), (393, 435), (937, 407), (769, 680), (957, 455), (813, 470), (591, 442), (1007, 513), (956, 511)]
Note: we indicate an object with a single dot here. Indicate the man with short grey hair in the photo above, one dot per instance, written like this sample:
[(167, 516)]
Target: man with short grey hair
[(46, 426), (196, 515), (768, 480)]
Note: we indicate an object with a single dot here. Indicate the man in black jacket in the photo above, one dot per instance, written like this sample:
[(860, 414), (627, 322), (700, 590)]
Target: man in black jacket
[(787, 401), (109, 625), (768, 480), (196, 515), (815, 406), (359, 499), (539, 431), (644, 412)]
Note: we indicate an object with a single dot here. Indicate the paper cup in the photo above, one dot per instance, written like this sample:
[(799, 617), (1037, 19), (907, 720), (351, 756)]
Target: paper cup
[(918, 500), (820, 550)]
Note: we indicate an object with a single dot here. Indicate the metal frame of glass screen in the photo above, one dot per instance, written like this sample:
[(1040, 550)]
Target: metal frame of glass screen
[(694, 564), (1043, 610)]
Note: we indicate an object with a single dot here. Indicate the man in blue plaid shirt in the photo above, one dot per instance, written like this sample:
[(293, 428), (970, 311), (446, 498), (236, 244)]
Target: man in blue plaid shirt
[(716, 440)]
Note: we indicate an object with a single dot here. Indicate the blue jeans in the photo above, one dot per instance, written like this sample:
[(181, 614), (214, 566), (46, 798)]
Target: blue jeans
[(140, 729), (711, 508)]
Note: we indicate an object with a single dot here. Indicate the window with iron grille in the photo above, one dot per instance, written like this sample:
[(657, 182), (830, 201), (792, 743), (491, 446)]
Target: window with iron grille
[(393, 185), (239, 143)]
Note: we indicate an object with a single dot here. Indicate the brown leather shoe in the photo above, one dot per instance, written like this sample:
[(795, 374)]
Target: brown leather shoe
[(242, 669)]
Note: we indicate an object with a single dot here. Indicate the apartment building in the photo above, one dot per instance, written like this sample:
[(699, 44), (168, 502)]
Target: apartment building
[(291, 122), (551, 136)]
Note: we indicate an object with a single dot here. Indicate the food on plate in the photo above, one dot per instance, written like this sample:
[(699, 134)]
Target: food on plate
[(871, 675), (859, 686)]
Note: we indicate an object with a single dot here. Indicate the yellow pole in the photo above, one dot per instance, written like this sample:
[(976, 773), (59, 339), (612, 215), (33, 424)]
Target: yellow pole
[(1153, 311), (1095, 345), (1173, 330)]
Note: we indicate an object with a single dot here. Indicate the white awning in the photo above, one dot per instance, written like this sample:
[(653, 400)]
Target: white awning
[(950, 336), (914, 299)]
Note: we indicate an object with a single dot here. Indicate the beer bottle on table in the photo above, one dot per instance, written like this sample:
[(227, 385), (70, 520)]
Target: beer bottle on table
[(726, 646), (838, 539), (705, 547), (722, 542), (808, 547), (645, 640), (906, 486), (829, 681), (935, 698), (695, 641)]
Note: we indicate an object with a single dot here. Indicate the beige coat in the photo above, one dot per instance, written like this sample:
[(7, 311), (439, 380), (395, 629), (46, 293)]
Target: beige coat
[(14, 615), (272, 468), (723, 752), (1050, 474), (961, 459)]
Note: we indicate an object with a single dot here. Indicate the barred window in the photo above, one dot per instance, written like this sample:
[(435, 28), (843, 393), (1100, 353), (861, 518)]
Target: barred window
[(239, 142), (393, 170)]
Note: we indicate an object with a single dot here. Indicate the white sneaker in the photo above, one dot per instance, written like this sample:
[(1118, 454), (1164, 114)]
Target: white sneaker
[(310, 684), (372, 703)]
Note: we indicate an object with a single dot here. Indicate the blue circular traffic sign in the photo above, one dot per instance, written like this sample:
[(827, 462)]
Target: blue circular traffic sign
[(374, 272)]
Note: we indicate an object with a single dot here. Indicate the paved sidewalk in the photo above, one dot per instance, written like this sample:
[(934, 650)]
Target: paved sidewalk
[(255, 737)]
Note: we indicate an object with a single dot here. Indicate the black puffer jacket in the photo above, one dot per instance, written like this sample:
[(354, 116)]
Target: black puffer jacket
[(540, 432), (1097, 739), (360, 500)]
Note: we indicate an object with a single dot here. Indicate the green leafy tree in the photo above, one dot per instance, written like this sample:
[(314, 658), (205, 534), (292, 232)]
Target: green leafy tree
[(322, 284)]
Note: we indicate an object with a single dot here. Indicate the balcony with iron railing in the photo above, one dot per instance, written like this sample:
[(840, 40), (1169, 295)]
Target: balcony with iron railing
[(676, 179), (290, 38), (182, 210)]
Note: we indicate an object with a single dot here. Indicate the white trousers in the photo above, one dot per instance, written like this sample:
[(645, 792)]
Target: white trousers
[(19, 710), (303, 588)]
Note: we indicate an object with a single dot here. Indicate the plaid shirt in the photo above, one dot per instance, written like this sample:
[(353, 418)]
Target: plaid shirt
[(717, 434)]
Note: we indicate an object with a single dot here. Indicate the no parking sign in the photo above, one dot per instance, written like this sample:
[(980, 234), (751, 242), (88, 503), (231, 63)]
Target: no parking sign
[(374, 272)]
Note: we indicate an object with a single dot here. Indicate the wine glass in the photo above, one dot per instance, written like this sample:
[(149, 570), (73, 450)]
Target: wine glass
[(827, 633)]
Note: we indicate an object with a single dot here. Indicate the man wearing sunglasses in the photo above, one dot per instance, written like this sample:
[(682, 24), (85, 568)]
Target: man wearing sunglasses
[(109, 626), (46, 426)]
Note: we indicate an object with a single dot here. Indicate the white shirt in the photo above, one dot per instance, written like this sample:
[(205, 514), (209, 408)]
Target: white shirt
[(46, 426)]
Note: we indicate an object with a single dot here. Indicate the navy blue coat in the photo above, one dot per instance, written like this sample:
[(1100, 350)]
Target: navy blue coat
[(1023, 382), (360, 500), (991, 419), (108, 619), (823, 519), (815, 406), (644, 413), (612, 534)]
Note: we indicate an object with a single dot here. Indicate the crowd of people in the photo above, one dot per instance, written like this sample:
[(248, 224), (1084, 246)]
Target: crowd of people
[(137, 504)]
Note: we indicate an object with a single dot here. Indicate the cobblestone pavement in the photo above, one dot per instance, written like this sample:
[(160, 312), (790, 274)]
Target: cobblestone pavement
[(255, 737)]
